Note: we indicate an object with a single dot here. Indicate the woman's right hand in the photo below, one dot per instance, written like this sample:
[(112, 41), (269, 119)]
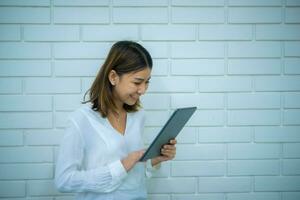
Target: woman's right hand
[(132, 159)]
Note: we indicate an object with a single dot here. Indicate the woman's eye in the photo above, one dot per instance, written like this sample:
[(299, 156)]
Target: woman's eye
[(147, 82)]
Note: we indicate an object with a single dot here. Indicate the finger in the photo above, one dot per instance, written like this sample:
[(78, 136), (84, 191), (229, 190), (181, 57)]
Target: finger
[(171, 147), (173, 141), (168, 153)]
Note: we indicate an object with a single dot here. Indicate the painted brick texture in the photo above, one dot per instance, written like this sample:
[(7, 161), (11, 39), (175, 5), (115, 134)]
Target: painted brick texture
[(238, 61)]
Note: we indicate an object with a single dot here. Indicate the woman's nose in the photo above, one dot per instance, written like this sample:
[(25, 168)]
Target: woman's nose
[(142, 90)]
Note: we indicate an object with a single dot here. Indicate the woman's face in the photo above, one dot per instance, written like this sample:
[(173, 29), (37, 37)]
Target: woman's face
[(127, 88)]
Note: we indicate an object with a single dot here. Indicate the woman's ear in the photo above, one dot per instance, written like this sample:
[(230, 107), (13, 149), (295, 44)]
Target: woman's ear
[(113, 77)]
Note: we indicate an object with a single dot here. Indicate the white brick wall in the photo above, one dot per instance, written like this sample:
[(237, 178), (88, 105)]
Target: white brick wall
[(238, 61)]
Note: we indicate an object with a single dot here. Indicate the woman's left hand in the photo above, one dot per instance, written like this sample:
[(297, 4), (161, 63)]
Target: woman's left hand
[(168, 152)]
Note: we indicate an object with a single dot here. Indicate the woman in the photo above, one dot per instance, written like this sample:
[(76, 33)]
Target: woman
[(100, 152)]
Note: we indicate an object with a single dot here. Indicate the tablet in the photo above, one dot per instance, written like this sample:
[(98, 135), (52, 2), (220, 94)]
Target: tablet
[(170, 130)]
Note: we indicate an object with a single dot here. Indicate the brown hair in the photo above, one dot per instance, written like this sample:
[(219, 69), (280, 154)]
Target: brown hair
[(123, 57)]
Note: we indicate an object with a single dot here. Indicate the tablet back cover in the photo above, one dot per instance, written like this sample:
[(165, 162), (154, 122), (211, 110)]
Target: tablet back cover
[(170, 130)]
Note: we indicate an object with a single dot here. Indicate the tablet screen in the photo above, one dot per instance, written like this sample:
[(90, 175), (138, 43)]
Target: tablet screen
[(170, 130)]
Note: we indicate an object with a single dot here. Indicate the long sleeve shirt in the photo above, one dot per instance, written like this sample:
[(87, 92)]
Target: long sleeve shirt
[(89, 160)]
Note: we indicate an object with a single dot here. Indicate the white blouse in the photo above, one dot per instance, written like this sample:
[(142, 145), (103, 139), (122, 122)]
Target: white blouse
[(89, 160)]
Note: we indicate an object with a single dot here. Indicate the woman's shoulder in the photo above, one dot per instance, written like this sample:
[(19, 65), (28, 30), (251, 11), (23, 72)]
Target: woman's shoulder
[(81, 112)]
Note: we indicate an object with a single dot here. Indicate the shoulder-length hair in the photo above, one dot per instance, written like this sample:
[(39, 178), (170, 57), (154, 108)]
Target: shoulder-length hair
[(123, 57)]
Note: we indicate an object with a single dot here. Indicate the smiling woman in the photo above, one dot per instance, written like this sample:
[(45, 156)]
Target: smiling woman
[(99, 153)]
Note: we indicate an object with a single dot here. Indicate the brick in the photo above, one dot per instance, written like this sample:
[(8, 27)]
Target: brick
[(198, 168), (60, 119), (138, 3), (158, 197), (201, 101), (25, 103), (163, 172), (253, 151), (225, 84), (156, 118), (285, 83), (278, 32), (110, 32), (252, 195), (291, 117), (52, 85), (291, 167), (254, 49), (166, 84), (292, 15), (207, 118), (197, 50), (81, 15), (292, 100), (254, 3), (253, 117), (155, 101), (214, 184), (254, 15), (49, 198), (291, 150), (292, 3), (157, 49), (81, 50), (11, 138), (187, 135), (51, 33), (140, 15), (225, 32), (26, 120), (25, 68), (26, 154), (22, 15), (24, 50), (198, 3), (197, 67), (292, 49), (173, 185), (10, 85), (41, 188), (25, 3), (10, 33), (160, 67), (67, 102), (12, 189), (216, 196), (70, 197), (163, 32), (200, 152), (277, 134), (253, 167), (253, 100), (43, 137), (86, 84), (224, 134), (197, 15), (254, 66), (276, 183), (291, 66), (77, 67), (290, 195), (26, 171), (80, 3)]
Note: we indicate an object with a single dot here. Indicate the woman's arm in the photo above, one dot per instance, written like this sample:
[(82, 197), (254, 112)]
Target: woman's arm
[(70, 177)]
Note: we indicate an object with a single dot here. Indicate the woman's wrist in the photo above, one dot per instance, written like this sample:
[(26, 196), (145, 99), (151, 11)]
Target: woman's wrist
[(155, 161)]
